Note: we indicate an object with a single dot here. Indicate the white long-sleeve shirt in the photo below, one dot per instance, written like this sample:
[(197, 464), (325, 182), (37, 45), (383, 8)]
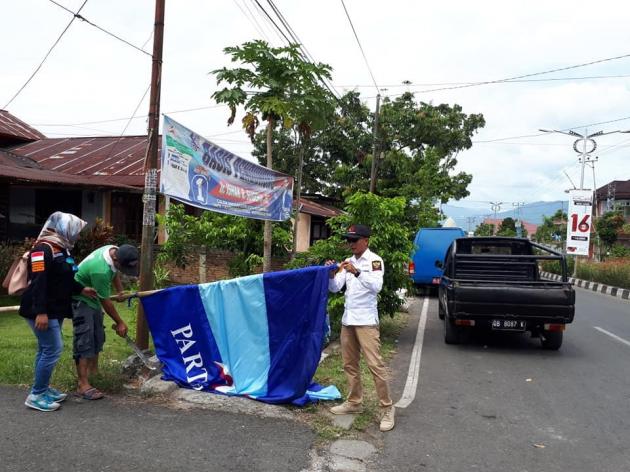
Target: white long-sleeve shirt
[(361, 292)]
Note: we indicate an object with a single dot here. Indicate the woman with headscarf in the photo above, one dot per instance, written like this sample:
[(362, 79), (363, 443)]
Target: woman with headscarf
[(48, 300)]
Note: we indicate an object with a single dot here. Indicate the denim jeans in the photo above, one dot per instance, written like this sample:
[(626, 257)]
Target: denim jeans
[(49, 349)]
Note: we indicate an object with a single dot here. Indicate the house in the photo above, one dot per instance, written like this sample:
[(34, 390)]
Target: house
[(91, 177), (614, 195), (529, 227)]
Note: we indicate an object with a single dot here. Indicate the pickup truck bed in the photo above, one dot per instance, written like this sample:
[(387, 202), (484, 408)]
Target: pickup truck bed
[(489, 280)]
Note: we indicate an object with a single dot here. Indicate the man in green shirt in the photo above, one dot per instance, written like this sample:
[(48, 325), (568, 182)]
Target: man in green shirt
[(101, 270)]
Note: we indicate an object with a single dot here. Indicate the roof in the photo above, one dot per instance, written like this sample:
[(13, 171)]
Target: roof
[(16, 130), (622, 189), (311, 207), (14, 167), (107, 159), (529, 227)]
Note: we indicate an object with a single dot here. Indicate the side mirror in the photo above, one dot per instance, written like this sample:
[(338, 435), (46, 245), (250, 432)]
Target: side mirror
[(439, 264)]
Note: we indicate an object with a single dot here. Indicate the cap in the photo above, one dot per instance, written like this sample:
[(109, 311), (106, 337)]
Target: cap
[(357, 232), (127, 256)]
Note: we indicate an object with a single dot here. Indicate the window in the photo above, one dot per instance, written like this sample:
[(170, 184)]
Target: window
[(319, 229)]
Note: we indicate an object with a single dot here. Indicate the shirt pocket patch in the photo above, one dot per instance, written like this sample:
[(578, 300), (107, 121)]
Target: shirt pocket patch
[(376, 265)]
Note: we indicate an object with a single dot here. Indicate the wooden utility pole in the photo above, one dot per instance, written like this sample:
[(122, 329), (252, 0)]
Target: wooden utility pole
[(375, 149), (268, 229), (150, 174)]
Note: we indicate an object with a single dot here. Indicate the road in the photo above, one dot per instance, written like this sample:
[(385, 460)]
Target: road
[(503, 404), (127, 435)]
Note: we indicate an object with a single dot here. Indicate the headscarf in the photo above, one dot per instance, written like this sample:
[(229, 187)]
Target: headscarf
[(62, 229)]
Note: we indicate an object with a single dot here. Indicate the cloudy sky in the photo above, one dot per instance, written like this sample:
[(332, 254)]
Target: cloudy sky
[(95, 82)]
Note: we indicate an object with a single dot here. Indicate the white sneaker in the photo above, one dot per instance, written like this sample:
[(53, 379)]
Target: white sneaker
[(346, 408), (41, 402), (389, 419)]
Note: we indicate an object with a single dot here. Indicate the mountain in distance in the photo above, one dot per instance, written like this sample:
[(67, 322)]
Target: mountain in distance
[(531, 213)]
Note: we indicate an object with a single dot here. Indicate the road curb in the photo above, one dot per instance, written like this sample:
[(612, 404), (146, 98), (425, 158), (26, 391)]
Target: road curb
[(622, 293)]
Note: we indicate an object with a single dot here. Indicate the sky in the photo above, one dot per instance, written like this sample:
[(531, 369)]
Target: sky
[(95, 82)]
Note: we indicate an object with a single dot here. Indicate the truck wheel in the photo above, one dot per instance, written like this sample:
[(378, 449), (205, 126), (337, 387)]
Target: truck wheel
[(551, 340), (441, 312), (452, 333)]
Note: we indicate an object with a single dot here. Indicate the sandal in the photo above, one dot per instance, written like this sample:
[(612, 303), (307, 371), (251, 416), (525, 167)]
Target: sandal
[(91, 394)]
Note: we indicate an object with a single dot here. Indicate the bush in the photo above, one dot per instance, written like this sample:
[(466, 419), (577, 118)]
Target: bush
[(615, 272), (554, 266), (99, 235), (619, 251)]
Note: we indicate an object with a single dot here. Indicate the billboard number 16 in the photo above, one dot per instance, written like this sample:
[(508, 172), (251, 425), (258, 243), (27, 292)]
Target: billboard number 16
[(583, 226)]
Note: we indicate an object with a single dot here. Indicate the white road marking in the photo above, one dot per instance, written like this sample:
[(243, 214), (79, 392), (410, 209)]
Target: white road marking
[(614, 336), (411, 386)]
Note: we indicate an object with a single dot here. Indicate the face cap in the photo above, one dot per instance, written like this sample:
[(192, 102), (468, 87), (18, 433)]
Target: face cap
[(356, 232), (127, 257)]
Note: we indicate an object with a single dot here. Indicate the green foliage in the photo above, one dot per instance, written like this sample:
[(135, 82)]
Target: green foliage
[(507, 227), (98, 235), (553, 229), (218, 231), (390, 239), (617, 251), (484, 229), (607, 228)]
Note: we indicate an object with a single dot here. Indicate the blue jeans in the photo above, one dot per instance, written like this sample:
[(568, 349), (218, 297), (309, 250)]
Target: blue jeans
[(49, 349)]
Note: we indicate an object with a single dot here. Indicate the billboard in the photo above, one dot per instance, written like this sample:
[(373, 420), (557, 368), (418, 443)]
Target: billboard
[(200, 173), (580, 222)]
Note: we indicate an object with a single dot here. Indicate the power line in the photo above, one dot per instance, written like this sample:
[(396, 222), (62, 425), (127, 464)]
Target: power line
[(82, 18), (360, 47), (512, 79), (255, 25), (45, 57)]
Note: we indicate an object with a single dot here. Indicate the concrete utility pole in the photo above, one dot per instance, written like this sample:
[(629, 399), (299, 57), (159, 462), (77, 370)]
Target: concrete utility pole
[(517, 216), (375, 148), (150, 174)]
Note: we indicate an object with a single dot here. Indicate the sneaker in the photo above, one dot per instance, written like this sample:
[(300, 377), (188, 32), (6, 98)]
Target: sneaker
[(41, 402), (55, 395), (388, 421), (346, 408)]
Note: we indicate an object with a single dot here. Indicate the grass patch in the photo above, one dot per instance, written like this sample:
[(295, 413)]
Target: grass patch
[(330, 371), (18, 345)]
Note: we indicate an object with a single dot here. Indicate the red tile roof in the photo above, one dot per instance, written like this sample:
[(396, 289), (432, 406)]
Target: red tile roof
[(109, 159), (14, 128), (529, 227)]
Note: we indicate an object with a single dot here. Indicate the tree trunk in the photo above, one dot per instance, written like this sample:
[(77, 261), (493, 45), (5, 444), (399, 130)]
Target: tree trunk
[(297, 197), (267, 234)]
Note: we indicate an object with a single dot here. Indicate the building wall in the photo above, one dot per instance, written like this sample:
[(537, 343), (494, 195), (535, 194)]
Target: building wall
[(22, 205), (91, 205), (304, 232)]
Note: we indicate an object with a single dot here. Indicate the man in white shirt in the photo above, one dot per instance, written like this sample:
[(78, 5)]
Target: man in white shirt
[(362, 275)]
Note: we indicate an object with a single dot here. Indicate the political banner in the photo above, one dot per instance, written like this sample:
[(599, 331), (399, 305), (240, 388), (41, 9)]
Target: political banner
[(259, 336), (202, 174), (579, 223)]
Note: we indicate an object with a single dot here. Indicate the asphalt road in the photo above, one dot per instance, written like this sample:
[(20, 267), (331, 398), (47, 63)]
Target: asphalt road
[(501, 403), (116, 435)]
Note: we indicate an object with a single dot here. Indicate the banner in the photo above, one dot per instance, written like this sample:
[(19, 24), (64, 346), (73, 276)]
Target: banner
[(259, 336), (200, 173), (579, 222)]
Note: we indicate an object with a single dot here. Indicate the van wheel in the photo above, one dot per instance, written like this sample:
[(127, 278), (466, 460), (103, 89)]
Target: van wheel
[(551, 340), (452, 333), (441, 312)]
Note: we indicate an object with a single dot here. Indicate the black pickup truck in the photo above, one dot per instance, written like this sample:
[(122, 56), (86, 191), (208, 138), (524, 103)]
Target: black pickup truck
[(494, 283)]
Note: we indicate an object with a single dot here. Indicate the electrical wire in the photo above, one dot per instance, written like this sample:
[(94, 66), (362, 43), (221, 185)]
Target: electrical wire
[(45, 57), (360, 47), (82, 18), (255, 25)]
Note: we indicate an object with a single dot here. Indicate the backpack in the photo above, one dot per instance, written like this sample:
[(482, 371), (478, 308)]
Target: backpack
[(16, 280)]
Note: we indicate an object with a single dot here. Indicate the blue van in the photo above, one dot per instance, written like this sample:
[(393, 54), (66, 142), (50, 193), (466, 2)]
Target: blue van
[(430, 245)]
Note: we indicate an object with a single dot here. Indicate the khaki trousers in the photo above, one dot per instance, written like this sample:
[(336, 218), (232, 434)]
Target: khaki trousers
[(366, 339)]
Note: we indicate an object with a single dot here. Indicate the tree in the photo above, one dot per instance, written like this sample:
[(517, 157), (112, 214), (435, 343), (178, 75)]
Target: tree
[(553, 229), (507, 227), (484, 229), (607, 228), (280, 85)]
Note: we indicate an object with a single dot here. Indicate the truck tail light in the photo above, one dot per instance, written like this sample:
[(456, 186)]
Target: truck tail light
[(553, 327), (412, 268), (465, 322)]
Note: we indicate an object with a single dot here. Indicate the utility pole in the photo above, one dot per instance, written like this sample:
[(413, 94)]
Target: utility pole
[(150, 174), (375, 148), (517, 216), (495, 207)]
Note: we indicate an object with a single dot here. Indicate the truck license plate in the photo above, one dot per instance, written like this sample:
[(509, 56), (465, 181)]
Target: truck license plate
[(508, 325)]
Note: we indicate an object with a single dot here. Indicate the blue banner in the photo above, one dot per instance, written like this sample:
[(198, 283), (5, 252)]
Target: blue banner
[(200, 173), (259, 336)]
